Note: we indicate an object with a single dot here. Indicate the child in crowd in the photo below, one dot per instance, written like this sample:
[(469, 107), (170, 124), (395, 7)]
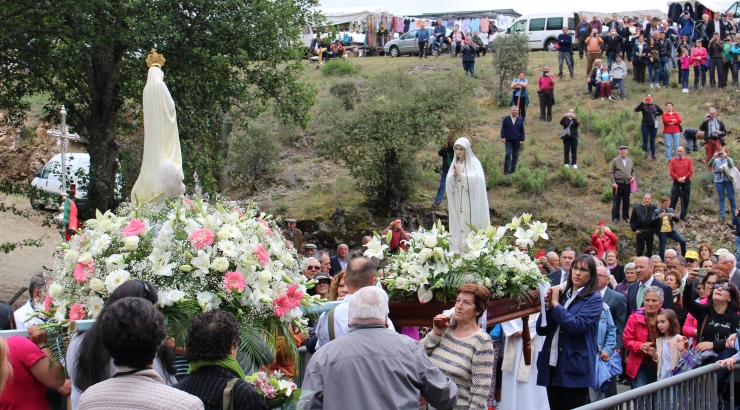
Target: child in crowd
[(605, 87), (669, 346), (685, 66)]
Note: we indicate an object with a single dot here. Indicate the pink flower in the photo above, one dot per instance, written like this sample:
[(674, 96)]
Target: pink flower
[(263, 222), (237, 211), (294, 295), (77, 312), (233, 281), (47, 303), (83, 271), (190, 204), (262, 254), (201, 238), (281, 305), (134, 228)]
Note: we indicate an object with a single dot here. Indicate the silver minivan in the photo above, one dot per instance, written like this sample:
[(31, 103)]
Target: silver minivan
[(543, 29), (406, 44)]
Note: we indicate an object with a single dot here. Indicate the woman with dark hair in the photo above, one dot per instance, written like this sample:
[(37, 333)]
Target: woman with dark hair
[(131, 330), (212, 341), (717, 319), (566, 364), (89, 363), (462, 350)]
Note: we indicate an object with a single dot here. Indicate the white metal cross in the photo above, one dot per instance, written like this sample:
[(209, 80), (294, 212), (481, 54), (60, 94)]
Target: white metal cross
[(63, 137)]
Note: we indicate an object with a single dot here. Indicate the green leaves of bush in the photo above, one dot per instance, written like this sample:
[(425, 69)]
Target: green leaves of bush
[(252, 152), (347, 92), (338, 67), (378, 140), (529, 181), (511, 55)]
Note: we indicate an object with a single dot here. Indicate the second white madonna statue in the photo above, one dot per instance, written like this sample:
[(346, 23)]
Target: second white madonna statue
[(467, 198)]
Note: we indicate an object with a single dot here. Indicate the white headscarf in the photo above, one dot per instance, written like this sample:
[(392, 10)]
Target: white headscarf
[(475, 211)]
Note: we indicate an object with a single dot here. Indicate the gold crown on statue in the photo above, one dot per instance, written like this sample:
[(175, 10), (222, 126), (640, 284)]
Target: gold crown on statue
[(155, 59)]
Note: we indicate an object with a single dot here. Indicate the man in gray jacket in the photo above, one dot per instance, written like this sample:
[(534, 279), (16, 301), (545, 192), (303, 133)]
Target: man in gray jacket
[(372, 368), (618, 73)]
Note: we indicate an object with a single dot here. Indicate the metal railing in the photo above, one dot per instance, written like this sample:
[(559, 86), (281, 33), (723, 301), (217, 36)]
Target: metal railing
[(693, 390)]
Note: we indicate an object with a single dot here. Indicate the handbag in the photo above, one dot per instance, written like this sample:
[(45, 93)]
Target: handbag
[(633, 186), (566, 131)]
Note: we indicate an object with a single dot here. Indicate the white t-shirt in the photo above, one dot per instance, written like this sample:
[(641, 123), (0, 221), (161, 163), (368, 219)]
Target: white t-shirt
[(665, 366)]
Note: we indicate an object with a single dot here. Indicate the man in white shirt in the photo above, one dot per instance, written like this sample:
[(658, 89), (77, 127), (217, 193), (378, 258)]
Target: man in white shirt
[(36, 292), (361, 272), (728, 259)]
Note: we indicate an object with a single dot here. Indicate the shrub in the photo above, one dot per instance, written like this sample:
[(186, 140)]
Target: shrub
[(528, 181), (607, 195), (252, 152), (565, 174), (398, 115), (579, 181), (338, 67), (298, 158), (346, 92), (511, 55)]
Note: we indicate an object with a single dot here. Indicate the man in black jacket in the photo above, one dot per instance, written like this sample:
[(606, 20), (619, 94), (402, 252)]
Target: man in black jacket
[(641, 224), (714, 132), (715, 49), (664, 50)]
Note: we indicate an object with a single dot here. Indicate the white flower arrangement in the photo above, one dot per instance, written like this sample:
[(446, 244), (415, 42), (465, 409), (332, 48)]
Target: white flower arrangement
[(198, 257), (428, 269)]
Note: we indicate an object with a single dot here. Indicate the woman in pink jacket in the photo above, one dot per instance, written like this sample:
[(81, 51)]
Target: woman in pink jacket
[(698, 59), (671, 131), (604, 240)]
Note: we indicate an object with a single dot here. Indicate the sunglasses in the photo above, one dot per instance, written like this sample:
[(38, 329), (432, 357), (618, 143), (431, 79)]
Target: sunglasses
[(313, 267), (726, 288)]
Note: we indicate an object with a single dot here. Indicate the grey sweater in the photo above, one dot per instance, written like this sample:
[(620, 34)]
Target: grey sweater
[(619, 70)]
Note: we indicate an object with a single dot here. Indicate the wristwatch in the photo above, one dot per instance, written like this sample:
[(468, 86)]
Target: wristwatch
[(43, 346)]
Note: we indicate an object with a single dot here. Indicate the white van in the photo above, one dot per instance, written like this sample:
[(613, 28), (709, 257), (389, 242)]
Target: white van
[(49, 179), (543, 29)]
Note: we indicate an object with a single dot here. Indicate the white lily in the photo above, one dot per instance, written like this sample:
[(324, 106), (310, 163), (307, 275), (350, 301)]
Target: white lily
[(375, 249), (524, 238), (526, 218), (161, 262), (539, 230), (515, 222), (476, 244), (202, 263)]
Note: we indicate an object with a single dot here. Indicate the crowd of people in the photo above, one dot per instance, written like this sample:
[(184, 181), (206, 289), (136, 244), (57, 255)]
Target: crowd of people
[(605, 323)]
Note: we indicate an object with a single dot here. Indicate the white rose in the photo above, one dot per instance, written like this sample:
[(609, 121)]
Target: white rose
[(220, 264), (405, 266), (426, 253), (55, 290), (131, 242), (96, 285), (400, 282), (430, 241), (223, 234), (286, 259), (265, 276), (85, 258)]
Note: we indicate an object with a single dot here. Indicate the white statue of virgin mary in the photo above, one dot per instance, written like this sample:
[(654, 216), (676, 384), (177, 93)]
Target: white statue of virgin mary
[(161, 173), (466, 195)]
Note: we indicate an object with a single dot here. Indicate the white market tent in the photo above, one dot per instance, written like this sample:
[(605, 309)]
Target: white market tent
[(714, 5), (341, 15)]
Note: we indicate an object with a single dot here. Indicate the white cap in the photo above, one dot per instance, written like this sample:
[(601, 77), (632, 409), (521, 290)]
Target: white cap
[(722, 252)]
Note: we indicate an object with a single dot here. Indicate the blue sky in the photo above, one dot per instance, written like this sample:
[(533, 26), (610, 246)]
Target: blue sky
[(404, 7)]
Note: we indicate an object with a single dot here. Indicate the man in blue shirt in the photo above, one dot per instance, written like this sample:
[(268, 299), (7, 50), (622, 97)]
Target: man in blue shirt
[(512, 134), (565, 52), (422, 39), (686, 24), (440, 31)]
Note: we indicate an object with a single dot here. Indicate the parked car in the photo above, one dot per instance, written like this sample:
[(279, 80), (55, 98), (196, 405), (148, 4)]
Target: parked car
[(543, 29), (406, 44), (49, 179)]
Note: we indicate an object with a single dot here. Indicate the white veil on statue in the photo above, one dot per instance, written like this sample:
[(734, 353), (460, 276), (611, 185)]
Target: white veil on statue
[(161, 168), (467, 198)]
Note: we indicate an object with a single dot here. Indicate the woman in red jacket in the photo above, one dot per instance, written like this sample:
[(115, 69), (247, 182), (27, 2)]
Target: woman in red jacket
[(604, 240), (671, 130), (639, 337)]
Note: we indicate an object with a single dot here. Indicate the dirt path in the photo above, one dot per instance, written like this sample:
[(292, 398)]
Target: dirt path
[(17, 266)]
